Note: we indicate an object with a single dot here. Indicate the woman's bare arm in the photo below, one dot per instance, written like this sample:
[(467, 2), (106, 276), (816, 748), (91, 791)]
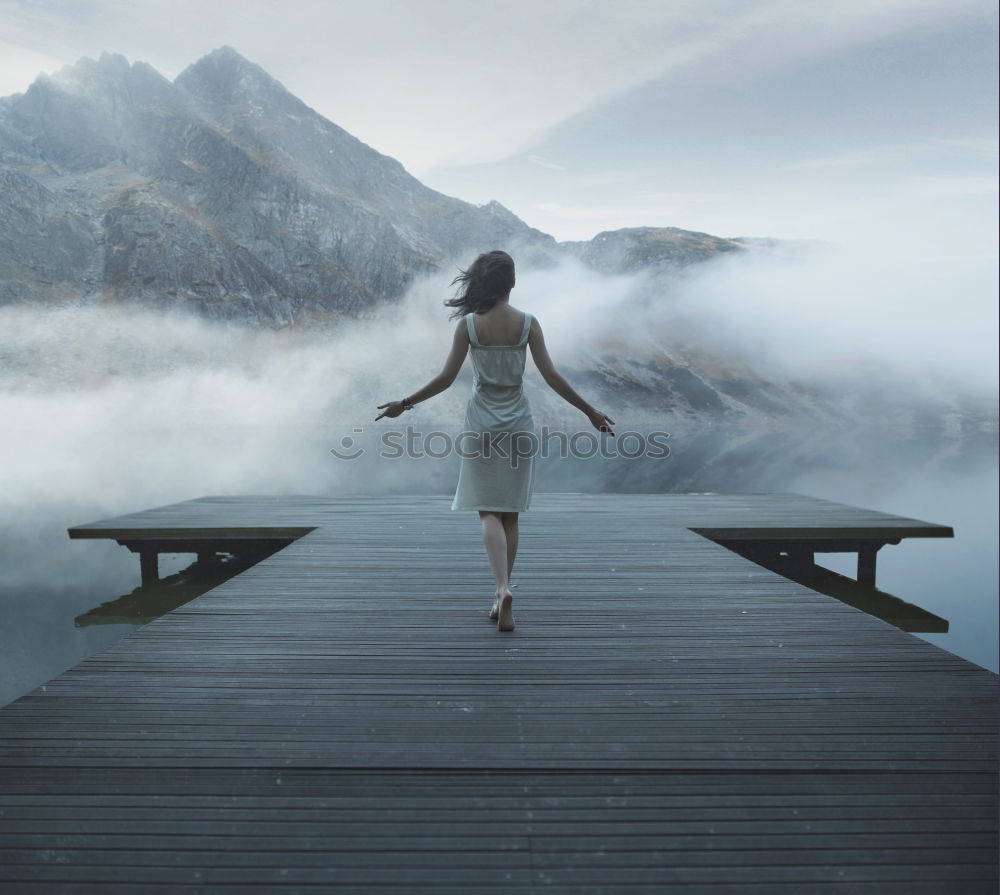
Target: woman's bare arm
[(552, 377), (443, 380)]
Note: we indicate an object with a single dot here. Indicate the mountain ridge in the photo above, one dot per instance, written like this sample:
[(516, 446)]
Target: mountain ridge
[(304, 220)]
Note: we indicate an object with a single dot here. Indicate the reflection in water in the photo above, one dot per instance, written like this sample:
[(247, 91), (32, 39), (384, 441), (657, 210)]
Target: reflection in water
[(156, 598), (861, 596)]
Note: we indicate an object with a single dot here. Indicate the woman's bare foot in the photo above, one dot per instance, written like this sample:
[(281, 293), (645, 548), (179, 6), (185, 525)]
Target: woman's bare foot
[(495, 611), (505, 615)]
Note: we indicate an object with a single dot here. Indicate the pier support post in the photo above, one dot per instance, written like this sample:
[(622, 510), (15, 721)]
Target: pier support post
[(866, 565), (149, 566)]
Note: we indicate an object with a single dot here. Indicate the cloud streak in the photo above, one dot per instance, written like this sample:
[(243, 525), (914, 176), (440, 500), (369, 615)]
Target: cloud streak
[(434, 83)]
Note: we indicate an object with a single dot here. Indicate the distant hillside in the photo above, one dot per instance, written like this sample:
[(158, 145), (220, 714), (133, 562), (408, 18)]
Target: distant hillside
[(656, 249)]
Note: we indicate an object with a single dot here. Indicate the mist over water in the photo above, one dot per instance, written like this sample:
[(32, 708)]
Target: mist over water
[(107, 410)]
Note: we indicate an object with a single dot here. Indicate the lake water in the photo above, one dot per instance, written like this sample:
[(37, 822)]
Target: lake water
[(47, 580)]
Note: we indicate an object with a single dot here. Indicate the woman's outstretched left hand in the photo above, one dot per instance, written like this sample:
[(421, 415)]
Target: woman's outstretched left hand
[(392, 410), (601, 421)]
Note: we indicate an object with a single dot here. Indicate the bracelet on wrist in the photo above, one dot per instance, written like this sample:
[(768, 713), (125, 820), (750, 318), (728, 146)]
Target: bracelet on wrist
[(407, 404)]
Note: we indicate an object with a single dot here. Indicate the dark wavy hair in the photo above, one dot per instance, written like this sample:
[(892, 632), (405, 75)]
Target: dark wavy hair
[(488, 279)]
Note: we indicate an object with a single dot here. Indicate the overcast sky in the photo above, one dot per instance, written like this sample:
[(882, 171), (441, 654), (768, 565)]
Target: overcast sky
[(788, 118)]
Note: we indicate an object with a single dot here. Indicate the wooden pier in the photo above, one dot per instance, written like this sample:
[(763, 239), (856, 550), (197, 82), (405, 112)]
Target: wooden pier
[(667, 716)]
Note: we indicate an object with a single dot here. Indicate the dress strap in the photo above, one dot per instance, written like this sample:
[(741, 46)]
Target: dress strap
[(527, 328), (472, 329)]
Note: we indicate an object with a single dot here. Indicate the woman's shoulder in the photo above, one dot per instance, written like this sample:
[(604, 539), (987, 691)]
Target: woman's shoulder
[(526, 314), (462, 325)]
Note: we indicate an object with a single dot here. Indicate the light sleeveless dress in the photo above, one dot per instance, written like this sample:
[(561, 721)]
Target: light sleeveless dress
[(498, 465)]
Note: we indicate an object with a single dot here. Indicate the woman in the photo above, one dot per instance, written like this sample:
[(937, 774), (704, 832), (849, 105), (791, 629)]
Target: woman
[(498, 444)]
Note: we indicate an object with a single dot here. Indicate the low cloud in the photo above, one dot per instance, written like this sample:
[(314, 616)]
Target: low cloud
[(129, 407)]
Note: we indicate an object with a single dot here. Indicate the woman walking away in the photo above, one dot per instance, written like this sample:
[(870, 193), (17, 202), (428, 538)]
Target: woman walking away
[(499, 442)]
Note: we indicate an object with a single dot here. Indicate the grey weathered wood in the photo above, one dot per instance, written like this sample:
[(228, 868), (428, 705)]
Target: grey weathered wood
[(343, 716)]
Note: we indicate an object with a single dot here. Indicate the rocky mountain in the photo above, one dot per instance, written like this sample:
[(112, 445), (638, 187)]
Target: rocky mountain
[(219, 191)]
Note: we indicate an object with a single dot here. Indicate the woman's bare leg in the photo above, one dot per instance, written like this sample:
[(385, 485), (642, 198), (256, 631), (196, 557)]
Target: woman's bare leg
[(510, 530), (509, 521), (495, 541)]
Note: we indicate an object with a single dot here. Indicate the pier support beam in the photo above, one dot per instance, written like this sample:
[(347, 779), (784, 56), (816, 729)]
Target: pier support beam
[(796, 557), (801, 562), (244, 552)]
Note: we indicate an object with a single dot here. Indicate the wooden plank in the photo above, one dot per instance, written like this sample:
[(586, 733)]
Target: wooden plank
[(342, 716)]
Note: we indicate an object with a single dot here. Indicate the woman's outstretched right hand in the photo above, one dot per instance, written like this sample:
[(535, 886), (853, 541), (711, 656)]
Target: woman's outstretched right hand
[(392, 409), (601, 421)]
